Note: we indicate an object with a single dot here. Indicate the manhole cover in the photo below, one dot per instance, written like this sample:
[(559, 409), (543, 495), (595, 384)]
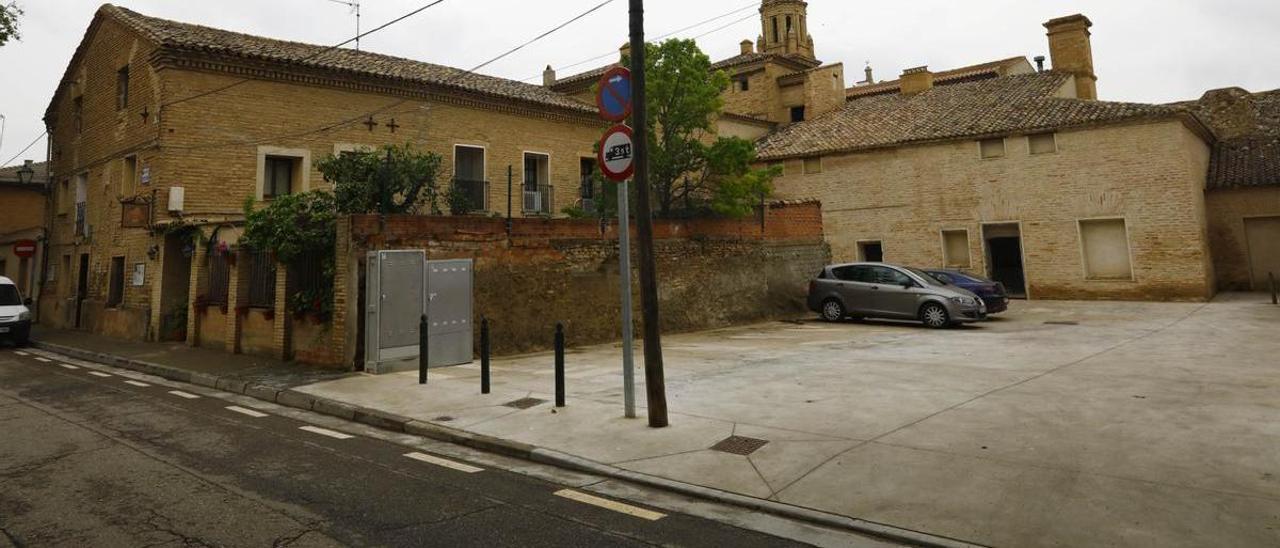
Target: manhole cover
[(739, 445), (1062, 323), (525, 403)]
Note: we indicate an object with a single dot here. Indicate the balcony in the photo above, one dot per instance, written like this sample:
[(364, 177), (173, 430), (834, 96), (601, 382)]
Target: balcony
[(81, 211), (538, 200), (469, 197)]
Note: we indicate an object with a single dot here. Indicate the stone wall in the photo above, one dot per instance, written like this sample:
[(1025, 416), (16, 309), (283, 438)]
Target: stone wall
[(712, 273), (1227, 211)]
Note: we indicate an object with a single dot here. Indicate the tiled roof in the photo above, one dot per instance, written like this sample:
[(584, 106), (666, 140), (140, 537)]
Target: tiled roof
[(1010, 104), (184, 37), (1245, 162), (993, 69), (573, 83), (570, 84), (9, 174)]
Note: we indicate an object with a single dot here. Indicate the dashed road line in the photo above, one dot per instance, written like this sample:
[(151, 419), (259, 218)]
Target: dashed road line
[(610, 505), (444, 462), (138, 384), (99, 374), (21, 353), (68, 366), (244, 411), (326, 432), (186, 395), (45, 360)]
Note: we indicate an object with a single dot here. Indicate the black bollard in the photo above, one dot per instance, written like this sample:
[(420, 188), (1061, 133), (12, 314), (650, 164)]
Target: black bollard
[(559, 365), (424, 355), (484, 355)]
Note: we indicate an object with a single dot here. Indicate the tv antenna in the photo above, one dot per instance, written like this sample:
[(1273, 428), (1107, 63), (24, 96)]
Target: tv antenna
[(355, 8)]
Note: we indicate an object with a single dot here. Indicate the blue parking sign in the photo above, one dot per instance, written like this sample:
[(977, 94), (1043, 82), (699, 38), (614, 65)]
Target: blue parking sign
[(614, 96)]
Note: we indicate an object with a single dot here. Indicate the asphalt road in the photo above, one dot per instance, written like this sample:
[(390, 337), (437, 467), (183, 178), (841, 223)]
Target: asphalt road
[(92, 460)]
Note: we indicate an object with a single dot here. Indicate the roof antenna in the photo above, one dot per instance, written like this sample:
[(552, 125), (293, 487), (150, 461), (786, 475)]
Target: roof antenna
[(1039, 63), (355, 8)]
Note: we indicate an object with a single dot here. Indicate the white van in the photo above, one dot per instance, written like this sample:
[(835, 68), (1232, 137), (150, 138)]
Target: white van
[(15, 317)]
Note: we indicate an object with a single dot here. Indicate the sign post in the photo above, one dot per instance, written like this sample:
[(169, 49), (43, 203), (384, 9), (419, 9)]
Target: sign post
[(617, 162)]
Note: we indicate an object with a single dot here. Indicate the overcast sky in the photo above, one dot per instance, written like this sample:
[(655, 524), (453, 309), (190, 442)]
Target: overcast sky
[(1144, 50)]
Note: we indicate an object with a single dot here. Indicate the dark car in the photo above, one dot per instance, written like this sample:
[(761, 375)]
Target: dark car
[(992, 293)]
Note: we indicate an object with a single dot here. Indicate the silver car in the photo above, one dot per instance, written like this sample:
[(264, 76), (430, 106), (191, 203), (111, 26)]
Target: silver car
[(877, 290)]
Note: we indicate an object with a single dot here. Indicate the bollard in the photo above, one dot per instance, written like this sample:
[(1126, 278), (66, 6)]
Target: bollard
[(1275, 299), (559, 365), (484, 355), (424, 354)]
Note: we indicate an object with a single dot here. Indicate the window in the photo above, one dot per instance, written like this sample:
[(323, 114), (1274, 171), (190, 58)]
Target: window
[(797, 114), (991, 148), (537, 188), (219, 278), (889, 276), (66, 267), (776, 39), (122, 88), (812, 165), (82, 194), (788, 24), (262, 280), (955, 249), (77, 114), (278, 179), (1105, 247), (587, 190), (870, 252), (115, 293), (1042, 143), (469, 179), (129, 175), (744, 84)]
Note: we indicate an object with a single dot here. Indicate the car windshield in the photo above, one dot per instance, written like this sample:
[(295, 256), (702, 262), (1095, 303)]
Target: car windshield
[(961, 277), (9, 295), (927, 277)]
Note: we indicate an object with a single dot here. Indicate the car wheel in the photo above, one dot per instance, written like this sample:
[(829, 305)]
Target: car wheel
[(935, 315), (832, 310)]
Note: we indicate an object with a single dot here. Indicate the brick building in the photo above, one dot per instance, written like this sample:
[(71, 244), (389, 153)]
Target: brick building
[(22, 219), (161, 130)]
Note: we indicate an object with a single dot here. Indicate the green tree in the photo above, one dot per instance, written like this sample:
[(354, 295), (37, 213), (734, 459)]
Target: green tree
[(689, 176), (410, 178), (292, 226), (9, 22)]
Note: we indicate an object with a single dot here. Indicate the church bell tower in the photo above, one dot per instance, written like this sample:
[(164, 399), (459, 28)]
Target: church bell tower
[(785, 28)]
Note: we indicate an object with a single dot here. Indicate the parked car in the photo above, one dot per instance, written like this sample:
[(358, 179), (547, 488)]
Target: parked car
[(877, 290), (992, 293), (15, 317)]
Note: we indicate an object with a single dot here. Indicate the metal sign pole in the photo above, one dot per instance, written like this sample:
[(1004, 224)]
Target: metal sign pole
[(624, 260)]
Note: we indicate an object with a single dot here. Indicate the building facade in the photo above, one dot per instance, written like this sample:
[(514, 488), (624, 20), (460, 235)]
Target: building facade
[(23, 189)]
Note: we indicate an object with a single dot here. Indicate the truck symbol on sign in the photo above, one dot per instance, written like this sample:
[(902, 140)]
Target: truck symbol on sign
[(618, 152)]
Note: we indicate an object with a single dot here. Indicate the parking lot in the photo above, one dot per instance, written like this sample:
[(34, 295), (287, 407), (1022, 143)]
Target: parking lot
[(1079, 423)]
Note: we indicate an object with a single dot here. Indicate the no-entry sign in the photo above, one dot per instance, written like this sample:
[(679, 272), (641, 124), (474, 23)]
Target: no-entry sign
[(24, 248), (616, 156), (614, 96)]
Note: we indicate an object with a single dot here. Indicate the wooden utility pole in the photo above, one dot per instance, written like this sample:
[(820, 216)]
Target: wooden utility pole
[(655, 384)]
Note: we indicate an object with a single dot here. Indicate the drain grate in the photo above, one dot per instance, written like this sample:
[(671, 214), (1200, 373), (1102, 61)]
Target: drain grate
[(1062, 323), (739, 445), (525, 403)]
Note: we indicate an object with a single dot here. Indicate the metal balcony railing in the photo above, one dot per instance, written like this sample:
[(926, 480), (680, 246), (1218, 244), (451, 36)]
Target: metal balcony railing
[(538, 200), (81, 210), (469, 197)]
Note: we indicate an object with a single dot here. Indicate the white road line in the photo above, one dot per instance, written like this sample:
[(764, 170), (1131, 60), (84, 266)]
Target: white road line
[(21, 353), (610, 505), (186, 395), (326, 432), (45, 360), (138, 384), (243, 411), (97, 374), (444, 462), (68, 366)]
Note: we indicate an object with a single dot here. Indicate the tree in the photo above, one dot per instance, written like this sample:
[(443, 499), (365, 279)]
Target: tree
[(410, 178), (300, 230), (689, 176), (9, 22)]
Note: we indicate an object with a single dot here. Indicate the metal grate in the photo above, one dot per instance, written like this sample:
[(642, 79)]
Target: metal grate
[(739, 445), (525, 403), (219, 278), (262, 280)]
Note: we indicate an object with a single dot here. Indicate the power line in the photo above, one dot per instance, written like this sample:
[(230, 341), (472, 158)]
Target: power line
[(544, 35), (25, 149), (312, 56), (718, 29)]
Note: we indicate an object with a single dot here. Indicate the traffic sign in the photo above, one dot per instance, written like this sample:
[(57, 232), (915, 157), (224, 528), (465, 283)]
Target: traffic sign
[(614, 96), (24, 248), (616, 155)]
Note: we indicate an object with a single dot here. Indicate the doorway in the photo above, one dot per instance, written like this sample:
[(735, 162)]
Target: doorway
[(82, 289), (175, 287), (1263, 237), (1004, 257)]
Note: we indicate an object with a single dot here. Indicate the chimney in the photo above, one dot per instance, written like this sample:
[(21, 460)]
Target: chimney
[(1039, 63), (1071, 52), (746, 46), (870, 79), (549, 76), (625, 51), (916, 80)]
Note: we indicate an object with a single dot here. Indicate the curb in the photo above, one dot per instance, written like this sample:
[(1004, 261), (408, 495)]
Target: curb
[(397, 423)]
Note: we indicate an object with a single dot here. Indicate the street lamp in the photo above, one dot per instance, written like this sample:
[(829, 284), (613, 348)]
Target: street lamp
[(25, 173)]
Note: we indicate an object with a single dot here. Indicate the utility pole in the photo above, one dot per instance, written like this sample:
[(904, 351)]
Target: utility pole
[(655, 384)]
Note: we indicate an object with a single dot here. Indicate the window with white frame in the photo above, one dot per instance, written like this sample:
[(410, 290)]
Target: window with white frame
[(283, 171), (1105, 249)]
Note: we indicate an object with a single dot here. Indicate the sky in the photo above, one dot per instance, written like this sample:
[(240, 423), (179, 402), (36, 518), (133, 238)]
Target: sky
[(1144, 50)]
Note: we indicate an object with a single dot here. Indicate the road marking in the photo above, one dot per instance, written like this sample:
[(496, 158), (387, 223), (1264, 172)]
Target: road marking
[(45, 360), (326, 432), (138, 384), (444, 462), (610, 505), (21, 353), (97, 374), (68, 366), (243, 411), (186, 395)]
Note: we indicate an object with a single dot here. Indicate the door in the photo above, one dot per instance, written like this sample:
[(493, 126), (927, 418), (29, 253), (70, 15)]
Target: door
[(82, 289), (1004, 257), (1263, 236), (449, 306), (175, 287), (892, 297)]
